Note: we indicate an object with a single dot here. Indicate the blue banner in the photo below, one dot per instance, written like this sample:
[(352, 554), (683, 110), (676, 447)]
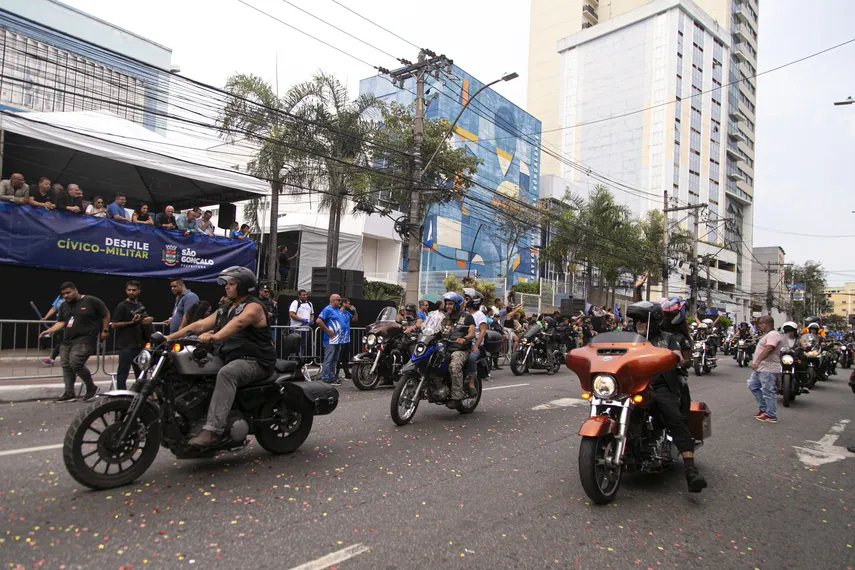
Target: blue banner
[(56, 240)]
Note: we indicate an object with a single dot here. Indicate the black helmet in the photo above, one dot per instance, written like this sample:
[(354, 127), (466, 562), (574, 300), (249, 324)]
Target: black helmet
[(475, 299), (644, 312), (411, 307), (246, 280)]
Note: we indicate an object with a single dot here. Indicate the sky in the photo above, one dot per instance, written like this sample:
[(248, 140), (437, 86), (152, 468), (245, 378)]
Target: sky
[(805, 146)]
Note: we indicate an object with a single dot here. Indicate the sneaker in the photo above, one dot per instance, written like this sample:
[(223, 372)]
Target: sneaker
[(759, 413), (766, 418), (66, 397), (47, 361), (205, 439), (851, 449), (91, 395), (335, 382), (805, 391)]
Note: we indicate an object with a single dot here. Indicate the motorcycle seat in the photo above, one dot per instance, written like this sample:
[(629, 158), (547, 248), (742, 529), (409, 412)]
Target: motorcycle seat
[(286, 366)]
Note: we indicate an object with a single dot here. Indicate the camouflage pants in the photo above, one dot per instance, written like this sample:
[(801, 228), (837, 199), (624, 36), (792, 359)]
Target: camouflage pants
[(457, 365)]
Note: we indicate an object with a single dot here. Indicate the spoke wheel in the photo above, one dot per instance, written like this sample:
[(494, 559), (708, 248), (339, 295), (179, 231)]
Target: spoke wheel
[(518, 364), (468, 405), (600, 478), (95, 456), (363, 378), (288, 432), (405, 400)]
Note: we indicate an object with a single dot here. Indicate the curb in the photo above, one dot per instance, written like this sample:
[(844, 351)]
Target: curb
[(30, 392)]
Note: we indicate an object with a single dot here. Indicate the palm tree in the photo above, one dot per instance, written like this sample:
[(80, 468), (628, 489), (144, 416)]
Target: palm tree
[(311, 138)]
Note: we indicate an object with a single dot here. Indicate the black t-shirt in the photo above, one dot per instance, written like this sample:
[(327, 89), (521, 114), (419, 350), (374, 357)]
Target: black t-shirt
[(39, 197), (284, 262), (63, 200), (132, 336), (459, 328), (82, 320)]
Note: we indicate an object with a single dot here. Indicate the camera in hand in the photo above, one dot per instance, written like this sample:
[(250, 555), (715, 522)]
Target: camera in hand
[(141, 312)]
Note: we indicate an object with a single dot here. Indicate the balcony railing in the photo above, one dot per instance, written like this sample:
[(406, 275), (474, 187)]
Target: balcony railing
[(589, 11), (586, 25)]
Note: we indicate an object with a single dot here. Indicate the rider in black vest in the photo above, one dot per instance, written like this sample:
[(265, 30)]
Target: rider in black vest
[(245, 343)]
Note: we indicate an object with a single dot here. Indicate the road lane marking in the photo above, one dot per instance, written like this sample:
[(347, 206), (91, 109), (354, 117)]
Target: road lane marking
[(824, 451), (30, 449), (561, 403), (503, 387), (333, 558)]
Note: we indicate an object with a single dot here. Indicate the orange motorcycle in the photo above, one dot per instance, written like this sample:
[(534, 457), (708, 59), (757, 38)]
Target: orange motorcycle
[(623, 432)]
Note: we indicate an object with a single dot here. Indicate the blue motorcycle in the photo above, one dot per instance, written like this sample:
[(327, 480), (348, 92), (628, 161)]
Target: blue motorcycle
[(427, 376)]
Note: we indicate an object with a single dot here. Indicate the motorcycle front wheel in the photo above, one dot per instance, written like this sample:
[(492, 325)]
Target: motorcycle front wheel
[(286, 432), (405, 400), (557, 357), (698, 370), (95, 458), (363, 378), (787, 389), (740, 359), (518, 363), (811, 376), (600, 479)]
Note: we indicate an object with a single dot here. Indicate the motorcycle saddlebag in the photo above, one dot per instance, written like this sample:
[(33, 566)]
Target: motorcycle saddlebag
[(319, 398), (493, 342), (700, 421)]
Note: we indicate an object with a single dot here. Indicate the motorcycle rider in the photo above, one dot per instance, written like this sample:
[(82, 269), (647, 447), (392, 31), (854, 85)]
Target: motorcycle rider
[(744, 333), (790, 334), (473, 302), (461, 331), (812, 326), (245, 343), (648, 318), (675, 323), (411, 321)]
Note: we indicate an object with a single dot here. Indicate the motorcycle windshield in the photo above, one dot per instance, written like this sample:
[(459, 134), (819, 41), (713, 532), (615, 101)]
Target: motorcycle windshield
[(433, 324), (386, 315), (808, 341), (532, 332)]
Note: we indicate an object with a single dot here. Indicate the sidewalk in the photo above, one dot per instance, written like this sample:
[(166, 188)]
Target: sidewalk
[(23, 377)]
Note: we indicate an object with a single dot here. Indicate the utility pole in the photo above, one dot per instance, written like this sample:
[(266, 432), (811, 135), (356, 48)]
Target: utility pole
[(666, 210), (707, 259), (428, 63)]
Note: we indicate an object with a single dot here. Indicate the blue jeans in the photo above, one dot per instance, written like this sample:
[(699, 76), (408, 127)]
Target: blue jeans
[(331, 354), (472, 363), (764, 386)]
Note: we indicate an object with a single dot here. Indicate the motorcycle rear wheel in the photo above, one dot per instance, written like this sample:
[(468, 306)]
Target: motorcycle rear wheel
[(518, 364), (468, 405), (600, 480), (101, 423), (405, 401), (787, 389), (287, 435), (363, 378)]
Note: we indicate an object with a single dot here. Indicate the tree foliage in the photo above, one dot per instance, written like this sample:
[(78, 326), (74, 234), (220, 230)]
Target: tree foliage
[(812, 275)]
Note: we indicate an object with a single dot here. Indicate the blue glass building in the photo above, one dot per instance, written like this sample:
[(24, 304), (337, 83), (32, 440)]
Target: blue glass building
[(507, 140)]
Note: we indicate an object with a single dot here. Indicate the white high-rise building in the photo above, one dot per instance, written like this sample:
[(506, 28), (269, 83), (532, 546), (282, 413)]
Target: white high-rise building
[(642, 102)]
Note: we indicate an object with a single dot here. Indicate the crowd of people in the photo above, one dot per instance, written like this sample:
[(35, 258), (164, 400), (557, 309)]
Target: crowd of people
[(70, 199)]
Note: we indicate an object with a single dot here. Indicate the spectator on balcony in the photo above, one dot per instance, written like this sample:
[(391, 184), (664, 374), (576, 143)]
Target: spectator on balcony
[(14, 190), (116, 210), (166, 219), (285, 265), (204, 223), (187, 223), (142, 216), (71, 200), (41, 195), (97, 209), (241, 233)]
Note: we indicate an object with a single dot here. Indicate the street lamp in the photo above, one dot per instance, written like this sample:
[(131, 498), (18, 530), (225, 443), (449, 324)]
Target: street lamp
[(848, 101), (506, 77)]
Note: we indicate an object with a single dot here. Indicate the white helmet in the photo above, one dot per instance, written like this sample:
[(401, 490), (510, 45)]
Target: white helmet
[(708, 322), (702, 327), (694, 325), (790, 324)]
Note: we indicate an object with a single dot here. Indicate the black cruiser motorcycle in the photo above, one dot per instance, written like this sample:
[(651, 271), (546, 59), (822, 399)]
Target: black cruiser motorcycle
[(115, 440)]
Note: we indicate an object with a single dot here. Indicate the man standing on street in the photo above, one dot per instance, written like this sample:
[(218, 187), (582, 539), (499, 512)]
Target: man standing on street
[(184, 299), (130, 326), (766, 366), (330, 322), (348, 315), (85, 319), (302, 313)]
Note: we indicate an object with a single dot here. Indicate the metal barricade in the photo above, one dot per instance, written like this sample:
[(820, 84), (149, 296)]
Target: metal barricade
[(22, 351), (110, 355)]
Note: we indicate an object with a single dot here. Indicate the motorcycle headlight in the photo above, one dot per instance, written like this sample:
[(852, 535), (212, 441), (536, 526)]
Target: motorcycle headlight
[(420, 349), (524, 341), (605, 386), (371, 339), (698, 345), (143, 360), (741, 343), (813, 354), (787, 359)]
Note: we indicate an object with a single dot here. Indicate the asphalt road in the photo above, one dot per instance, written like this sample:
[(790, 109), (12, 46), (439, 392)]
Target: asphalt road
[(496, 489)]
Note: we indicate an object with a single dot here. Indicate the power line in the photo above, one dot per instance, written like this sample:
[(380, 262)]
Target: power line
[(376, 24)]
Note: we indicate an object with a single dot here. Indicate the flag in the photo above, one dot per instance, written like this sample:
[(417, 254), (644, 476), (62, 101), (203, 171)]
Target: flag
[(429, 237)]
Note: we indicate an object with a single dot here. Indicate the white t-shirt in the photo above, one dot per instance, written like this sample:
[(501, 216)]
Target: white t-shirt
[(90, 209), (304, 310), (479, 317)]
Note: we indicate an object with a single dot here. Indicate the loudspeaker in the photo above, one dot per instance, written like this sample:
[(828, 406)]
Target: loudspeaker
[(352, 276), (353, 289), (566, 306), (326, 280), (226, 217)]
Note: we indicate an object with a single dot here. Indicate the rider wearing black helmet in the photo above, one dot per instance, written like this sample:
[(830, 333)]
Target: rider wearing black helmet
[(245, 343), (474, 300), (648, 319)]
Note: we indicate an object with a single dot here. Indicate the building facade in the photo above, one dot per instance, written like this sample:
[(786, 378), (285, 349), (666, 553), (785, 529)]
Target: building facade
[(464, 235), (840, 301), (54, 58)]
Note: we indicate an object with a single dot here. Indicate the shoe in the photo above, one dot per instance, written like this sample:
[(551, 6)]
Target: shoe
[(851, 449), (205, 439), (47, 361), (472, 391), (91, 395), (335, 382), (805, 391), (759, 413), (766, 418), (348, 376), (66, 397), (695, 480)]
